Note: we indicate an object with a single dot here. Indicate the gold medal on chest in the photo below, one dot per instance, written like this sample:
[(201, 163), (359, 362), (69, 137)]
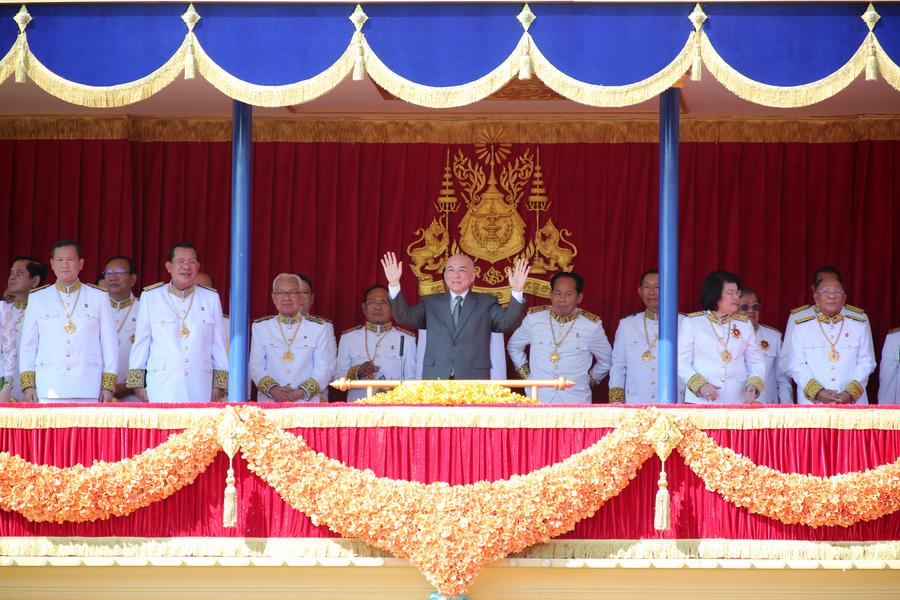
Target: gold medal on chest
[(647, 356), (70, 327), (726, 356), (834, 355), (288, 356), (554, 357), (184, 332)]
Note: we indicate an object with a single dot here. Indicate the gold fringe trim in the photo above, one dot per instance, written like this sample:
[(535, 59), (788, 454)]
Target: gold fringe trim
[(8, 62), (887, 68), (452, 131), (613, 96), (319, 548), (783, 97), (444, 97), (274, 95), (544, 417), (108, 96)]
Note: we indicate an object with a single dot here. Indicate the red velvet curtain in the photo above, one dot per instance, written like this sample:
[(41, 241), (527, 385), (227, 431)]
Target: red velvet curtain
[(772, 212), (466, 455)]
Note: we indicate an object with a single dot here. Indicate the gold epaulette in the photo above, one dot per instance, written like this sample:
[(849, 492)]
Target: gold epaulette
[(351, 329), (856, 318), (855, 309), (804, 319), (590, 316), (261, 319), (316, 319), (154, 286), (408, 332), (799, 308), (207, 288), (37, 289), (778, 331), (96, 287), (894, 330), (741, 318), (699, 313), (535, 309)]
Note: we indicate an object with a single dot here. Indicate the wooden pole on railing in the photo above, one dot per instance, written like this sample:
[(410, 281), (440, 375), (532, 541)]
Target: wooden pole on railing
[(560, 383)]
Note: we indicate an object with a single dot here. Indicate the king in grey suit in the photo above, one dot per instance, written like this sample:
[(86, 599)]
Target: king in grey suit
[(457, 346)]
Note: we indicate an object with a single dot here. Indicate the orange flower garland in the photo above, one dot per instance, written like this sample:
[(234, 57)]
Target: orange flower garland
[(103, 490), (792, 498), (448, 532), (448, 393)]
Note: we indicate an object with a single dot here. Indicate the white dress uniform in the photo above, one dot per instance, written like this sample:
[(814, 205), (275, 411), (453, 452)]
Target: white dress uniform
[(721, 351), (833, 353), (7, 346), (889, 369), (561, 347), (497, 352), (635, 360), (778, 383), (178, 353), (125, 318), (380, 344), (297, 351), (13, 314), (68, 350), (808, 310)]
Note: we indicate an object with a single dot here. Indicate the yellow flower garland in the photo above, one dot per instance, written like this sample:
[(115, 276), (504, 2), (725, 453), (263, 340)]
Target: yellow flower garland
[(448, 532), (792, 498), (103, 490), (448, 393)]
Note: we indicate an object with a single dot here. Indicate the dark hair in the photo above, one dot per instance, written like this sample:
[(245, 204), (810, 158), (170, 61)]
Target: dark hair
[(63, 244), (648, 272), (306, 280), (371, 289), (747, 290), (132, 269), (186, 246), (36, 268), (826, 270), (713, 286), (101, 276), (579, 282)]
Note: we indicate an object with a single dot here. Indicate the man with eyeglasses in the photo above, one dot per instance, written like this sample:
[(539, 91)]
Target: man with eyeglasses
[(832, 353), (826, 272), (68, 348), (778, 384), (635, 359), (889, 369), (378, 349), (564, 341), (120, 276), (178, 354), (25, 274), (292, 354)]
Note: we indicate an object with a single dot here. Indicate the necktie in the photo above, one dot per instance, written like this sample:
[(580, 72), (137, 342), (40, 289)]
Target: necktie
[(457, 309)]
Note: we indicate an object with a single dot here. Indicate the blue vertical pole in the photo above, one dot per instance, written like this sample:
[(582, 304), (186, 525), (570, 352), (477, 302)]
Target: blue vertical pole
[(668, 245), (241, 176)]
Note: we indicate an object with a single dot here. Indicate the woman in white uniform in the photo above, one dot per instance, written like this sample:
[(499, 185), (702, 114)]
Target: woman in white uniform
[(718, 358)]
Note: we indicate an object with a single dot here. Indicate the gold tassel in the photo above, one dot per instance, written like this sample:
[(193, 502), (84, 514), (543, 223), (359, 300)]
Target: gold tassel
[(229, 513), (20, 66), (661, 513), (525, 63), (190, 64), (871, 65), (697, 66), (359, 63)]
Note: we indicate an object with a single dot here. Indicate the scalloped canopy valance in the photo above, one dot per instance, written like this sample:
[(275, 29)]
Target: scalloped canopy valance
[(446, 55)]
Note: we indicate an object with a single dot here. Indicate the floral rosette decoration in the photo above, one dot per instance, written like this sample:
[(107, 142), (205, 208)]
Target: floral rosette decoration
[(764, 344), (448, 393)]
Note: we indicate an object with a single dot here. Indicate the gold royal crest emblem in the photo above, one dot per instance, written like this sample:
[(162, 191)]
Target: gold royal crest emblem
[(492, 229)]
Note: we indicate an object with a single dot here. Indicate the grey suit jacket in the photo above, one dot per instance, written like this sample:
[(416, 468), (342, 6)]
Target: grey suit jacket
[(465, 352)]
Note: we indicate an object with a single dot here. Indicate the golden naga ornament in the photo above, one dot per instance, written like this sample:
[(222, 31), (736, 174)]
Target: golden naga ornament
[(492, 182)]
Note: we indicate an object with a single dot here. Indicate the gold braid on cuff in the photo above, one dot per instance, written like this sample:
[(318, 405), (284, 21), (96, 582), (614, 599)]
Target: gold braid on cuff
[(854, 389), (758, 383), (137, 378), (109, 382), (616, 395), (524, 371), (312, 388), (812, 388), (27, 379), (220, 379), (696, 382), (265, 384)]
